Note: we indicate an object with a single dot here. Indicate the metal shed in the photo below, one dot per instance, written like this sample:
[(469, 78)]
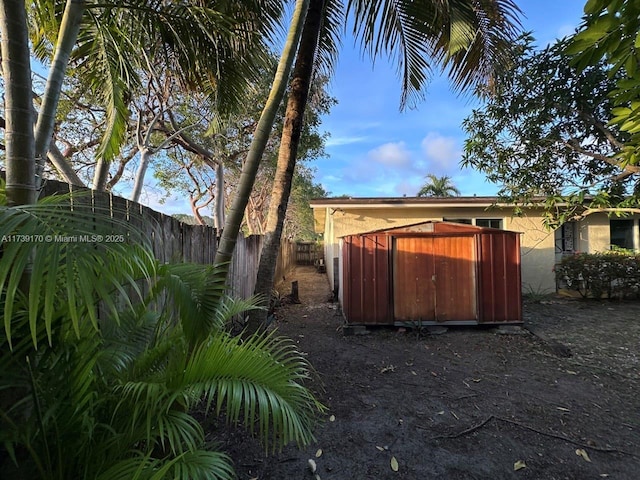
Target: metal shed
[(432, 273)]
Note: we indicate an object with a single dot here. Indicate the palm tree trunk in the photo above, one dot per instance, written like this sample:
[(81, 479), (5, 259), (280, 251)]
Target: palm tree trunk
[(261, 136), (67, 36), (219, 201), (287, 156), (16, 72)]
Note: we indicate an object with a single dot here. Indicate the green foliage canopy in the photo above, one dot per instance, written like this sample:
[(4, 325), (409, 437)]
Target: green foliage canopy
[(544, 131), (610, 32)]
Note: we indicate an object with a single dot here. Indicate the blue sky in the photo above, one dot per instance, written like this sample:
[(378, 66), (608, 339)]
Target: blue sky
[(374, 150)]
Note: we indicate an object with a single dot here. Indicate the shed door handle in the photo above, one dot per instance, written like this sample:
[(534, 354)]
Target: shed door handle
[(433, 278)]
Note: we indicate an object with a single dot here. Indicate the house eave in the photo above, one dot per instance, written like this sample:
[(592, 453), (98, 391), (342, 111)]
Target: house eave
[(410, 202)]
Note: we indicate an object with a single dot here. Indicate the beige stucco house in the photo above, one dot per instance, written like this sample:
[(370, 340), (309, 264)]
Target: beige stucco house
[(541, 248)]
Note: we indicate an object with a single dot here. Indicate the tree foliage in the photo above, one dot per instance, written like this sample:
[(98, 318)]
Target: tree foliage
[(544, 131), (181, 170), (610, 33), (438, 187), (212, 47), (108, 359)]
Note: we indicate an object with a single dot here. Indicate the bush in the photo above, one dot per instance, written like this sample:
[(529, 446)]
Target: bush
[(107, 355), (614, 274)]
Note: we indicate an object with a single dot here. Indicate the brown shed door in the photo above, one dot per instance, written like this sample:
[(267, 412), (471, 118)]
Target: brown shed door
[(434, 279)]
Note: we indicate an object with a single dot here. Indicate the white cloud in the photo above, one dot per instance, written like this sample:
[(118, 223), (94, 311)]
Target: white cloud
[(394, 168), (393, 155), (331, 178), (442, 153), (407, 188), (339, 141), (386, 170)]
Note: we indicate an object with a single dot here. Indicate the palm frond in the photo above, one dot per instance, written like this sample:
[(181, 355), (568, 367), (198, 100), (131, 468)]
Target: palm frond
[(258, 380), (138, 467), (480, 41), (229, 308), (203, 465), (463, 36), (103, 63), (44, 24), (127, 345), (329, 40), (56, 248), (196, 292), (216, 49)]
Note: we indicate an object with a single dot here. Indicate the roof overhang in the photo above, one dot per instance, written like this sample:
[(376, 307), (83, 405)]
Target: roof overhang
[(321, 206), (407, 202)]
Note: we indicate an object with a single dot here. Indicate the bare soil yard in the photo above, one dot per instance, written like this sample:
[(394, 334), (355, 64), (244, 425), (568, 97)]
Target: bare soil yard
[(468, 404)]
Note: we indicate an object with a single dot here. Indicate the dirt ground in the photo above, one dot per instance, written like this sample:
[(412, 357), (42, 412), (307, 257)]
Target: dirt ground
[(559, 403)]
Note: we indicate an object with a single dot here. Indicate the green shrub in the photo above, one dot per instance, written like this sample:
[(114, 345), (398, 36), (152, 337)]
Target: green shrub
[(107, 353), (614, 274)]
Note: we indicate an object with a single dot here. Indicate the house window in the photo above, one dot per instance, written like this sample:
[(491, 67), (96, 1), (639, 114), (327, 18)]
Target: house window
[(566, 238), (489, 222), (466, 221), (621, 233)]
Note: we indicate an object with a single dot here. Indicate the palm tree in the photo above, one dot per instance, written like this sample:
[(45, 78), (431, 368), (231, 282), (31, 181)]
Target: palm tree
[(438, 187), (105, 360), (261, 137), (468, 38), (19, 140)]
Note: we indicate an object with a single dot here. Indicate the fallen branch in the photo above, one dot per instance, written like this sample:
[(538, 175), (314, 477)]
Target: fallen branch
[(468, 430), (535, 430)]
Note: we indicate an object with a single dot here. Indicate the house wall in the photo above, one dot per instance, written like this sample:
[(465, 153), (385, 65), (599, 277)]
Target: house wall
[(597, 233), (537, 252), (537, 243), (597, 237)]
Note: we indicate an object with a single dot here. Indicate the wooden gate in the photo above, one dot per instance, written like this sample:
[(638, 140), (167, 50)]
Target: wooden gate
[(434, 279), (307, 253)]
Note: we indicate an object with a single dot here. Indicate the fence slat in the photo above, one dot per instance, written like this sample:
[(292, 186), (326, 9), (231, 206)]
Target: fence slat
[(174, 241)]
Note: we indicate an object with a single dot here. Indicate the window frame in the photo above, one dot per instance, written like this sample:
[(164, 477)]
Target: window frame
[(630, 233)]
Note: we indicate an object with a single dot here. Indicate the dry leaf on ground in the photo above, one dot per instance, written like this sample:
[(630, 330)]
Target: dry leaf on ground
[(519, 465), (582, 453)]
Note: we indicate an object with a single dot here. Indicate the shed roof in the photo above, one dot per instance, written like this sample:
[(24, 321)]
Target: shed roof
[(437, 226)]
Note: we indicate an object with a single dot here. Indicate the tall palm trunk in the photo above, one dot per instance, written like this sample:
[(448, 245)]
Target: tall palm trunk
[(287, 155), (16, 72), (219, 201), (69, 28), (261, 136)]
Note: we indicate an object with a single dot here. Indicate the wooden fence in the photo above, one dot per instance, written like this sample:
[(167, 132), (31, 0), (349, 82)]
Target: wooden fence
[(175, 241), (308, 253)]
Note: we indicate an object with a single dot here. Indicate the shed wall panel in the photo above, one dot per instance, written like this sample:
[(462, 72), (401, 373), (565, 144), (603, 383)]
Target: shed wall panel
[(413, 273), (500, 290), (434, 279), (455, 279), (366, 279)]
